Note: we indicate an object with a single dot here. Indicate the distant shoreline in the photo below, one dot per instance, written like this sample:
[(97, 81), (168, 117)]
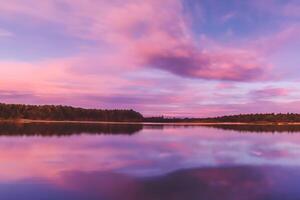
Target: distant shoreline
[(24, 121), (21, 113)]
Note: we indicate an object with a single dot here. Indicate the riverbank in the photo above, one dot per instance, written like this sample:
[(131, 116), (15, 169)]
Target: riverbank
[(24, 121)]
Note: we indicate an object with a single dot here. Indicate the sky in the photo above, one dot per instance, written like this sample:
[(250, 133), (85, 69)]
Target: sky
[(182, 58)]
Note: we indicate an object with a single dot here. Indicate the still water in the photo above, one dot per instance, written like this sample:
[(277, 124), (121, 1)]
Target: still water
[(148, 162)]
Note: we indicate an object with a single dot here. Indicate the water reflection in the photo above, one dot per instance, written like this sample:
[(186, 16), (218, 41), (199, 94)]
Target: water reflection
[(156, 163), (242, 183), (259, 128), (66, 129)]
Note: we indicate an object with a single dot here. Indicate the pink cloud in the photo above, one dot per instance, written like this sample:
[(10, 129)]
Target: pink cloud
[(228, 17), (267, 45), (292, 9), (270, 92), (226, 85), (149, 33), (5, 33), (278, 8), (55, 75)]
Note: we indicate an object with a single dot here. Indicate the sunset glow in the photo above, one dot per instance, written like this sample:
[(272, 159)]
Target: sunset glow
[(160, 57)]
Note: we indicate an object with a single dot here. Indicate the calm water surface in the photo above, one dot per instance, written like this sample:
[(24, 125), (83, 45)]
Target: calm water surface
[(128, 162)]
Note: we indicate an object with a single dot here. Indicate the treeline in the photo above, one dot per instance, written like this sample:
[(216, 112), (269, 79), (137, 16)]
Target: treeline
[(68, 113), (246, 118), (58, 112), (269, 117)]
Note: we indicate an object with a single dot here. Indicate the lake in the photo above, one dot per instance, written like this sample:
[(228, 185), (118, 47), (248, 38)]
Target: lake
[(149, 162)]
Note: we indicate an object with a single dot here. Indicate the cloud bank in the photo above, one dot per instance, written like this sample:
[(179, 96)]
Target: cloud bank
[(130, 53)]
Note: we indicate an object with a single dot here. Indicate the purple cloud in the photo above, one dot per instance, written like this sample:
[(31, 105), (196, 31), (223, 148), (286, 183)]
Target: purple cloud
[(219, 66)]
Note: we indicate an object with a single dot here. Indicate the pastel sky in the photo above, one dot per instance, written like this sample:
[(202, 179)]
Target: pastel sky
[(159, 57)]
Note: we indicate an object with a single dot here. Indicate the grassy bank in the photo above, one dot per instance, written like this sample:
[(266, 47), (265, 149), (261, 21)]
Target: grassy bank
[(149, 123)]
